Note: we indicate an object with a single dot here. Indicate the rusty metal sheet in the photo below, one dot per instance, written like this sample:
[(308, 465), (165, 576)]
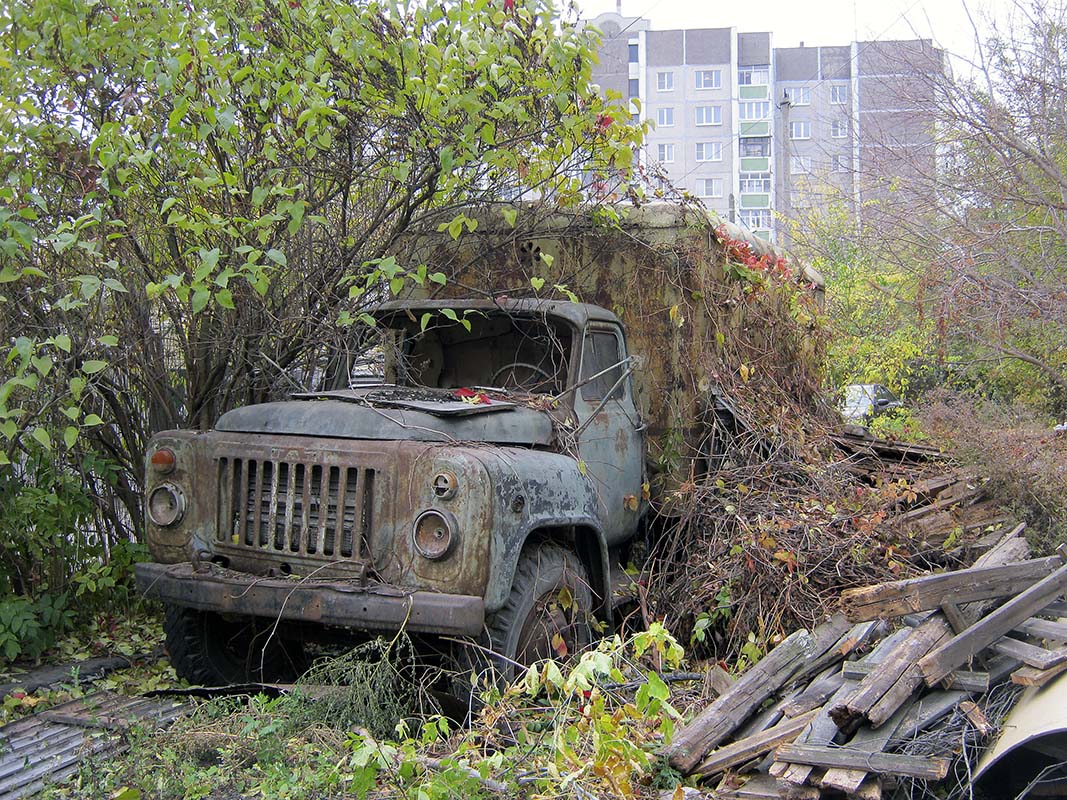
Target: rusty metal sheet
[(342, 603), (46, 748)]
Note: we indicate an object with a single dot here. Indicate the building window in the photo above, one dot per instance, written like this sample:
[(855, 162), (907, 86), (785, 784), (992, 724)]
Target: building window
[(709, 115), (798, 165), (839, 94), (665, 81), (756, 218), (665, 152), (798, 199), (634, 87), (709, 151), (751, 110), (755, 181), (709, 78), (756, 147), (839, 163), (633, 52), (798, 95), (800, 129), (709, 187), (753, 76), (838, 129), (665, 117), (635, 119)]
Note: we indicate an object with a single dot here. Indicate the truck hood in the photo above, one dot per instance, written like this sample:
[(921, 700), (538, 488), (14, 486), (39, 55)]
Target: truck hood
[(393, 413)]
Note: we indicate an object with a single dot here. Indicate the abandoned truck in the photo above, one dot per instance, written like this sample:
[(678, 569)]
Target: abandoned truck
[(488, 486)]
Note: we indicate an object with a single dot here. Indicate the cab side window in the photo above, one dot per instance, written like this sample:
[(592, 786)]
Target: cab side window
[(600, 352)]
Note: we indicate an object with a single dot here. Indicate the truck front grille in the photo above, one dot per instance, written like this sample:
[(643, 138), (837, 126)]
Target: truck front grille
[(284, 507)]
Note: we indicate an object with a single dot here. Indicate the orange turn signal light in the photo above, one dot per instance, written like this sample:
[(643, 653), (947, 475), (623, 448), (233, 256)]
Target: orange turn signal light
[(163, 460)]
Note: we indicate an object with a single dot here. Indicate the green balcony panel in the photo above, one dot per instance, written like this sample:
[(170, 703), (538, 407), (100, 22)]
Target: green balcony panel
[(754, 92), (755, 201), (752, 164), (755, 129)]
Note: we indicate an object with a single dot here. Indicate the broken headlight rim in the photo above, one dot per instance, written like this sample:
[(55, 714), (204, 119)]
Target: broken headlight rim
[(434, 533), (444, 485), (166, 505)]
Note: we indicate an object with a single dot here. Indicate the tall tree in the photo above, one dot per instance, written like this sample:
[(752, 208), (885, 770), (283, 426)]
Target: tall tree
[(195, 196)]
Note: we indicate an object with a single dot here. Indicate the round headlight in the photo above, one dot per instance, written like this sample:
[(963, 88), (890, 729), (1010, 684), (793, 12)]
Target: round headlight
[(434, 533), (166, 505)]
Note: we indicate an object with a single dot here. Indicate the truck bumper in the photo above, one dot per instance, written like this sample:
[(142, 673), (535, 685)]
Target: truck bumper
[(345, 603)]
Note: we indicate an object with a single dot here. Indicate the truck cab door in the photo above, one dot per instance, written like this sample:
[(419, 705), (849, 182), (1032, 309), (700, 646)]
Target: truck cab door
[(610, 440)]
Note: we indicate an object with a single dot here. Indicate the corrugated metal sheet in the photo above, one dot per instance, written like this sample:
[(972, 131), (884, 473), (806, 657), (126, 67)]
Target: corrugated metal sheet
[(47, 747)]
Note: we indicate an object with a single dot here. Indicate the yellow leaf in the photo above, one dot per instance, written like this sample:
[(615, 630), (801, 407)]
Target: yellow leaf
[(746, 372), (630, 502), (559, 646), (645, 489), (566, 599)]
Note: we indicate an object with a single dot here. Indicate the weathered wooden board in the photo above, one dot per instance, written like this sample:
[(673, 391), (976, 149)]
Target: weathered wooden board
[(931, 591), (951, 654)]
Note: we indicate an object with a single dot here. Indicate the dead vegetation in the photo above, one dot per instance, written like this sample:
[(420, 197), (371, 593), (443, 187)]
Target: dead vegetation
[(1021, 457)]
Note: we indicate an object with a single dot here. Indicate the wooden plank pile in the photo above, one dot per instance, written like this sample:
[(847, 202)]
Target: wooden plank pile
[(943, 513), (819, 715)]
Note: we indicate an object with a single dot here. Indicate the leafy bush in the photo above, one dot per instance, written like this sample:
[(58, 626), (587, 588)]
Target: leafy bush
[(55, 567), (29, 627)]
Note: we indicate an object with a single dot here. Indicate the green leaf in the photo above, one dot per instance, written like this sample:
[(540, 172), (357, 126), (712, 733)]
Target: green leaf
[(43, 364), (425, 320), (657, 688), (70, 436), (109, 341), (455, 227), (91, 420), (224, 298), (439, 277), (77, 386), (200, 300), (547, 258), (42, 437), (278, 257), (92, 367), (510, 215), (537, 283), (8, 428), (296, 217)]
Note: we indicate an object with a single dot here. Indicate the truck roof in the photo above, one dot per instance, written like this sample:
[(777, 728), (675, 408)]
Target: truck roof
[(578, 314)]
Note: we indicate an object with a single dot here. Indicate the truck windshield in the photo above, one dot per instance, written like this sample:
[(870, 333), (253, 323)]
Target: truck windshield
[(507, 351)]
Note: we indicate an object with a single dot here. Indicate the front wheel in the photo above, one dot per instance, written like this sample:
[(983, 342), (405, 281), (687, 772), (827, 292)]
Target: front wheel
[(546, 614), (212, 650)]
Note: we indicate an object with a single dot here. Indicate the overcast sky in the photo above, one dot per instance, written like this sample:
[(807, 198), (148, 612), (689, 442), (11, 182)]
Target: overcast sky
[(824, 22)]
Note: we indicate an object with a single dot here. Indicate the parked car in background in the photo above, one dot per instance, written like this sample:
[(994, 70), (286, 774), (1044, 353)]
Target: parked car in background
[(861, 402)]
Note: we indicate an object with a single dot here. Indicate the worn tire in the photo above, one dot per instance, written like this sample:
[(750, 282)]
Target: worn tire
[(522, 630), (208, 649)]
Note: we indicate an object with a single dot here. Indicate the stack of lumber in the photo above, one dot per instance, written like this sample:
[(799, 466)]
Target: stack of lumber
[(820, 714), (944, 511)]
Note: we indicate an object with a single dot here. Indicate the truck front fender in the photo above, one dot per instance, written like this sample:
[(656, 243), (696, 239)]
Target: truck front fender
[(541, 495)]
